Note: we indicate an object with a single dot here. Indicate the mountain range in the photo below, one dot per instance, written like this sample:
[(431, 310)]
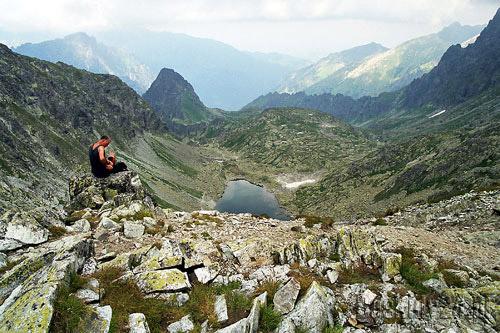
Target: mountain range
[(223, 76), (85, 52), (372, 69)]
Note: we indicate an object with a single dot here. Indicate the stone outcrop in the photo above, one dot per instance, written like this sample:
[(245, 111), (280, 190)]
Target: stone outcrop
[(356, 277)]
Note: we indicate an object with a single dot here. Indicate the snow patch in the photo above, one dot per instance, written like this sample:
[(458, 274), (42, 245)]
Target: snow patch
[(299, 183), (437, 114)]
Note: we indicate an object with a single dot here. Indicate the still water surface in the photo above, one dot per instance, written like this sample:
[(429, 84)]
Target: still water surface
[(241, 196)]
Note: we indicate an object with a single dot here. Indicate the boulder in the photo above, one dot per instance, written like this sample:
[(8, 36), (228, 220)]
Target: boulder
[(81, 225), (391, 265), (133, 230), (220, 308), (249, 324), (205, 274), (98, 320), (285, 297), (459, 277), (163, 280), (88, 191), (312, 313), (137, 323), (109, 224), (181, 326), (26, 230), (29, 289), (90, 292), (368, 297), (435, 284)]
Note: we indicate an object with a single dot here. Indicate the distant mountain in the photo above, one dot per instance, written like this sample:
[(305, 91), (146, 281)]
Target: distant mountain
[(383, 70), (463, 75), (336, 64), (223, 76), (176, 102), (291, 62), (85, 52)]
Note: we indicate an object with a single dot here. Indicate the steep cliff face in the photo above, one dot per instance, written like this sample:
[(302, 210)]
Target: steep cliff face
[(462, 73)]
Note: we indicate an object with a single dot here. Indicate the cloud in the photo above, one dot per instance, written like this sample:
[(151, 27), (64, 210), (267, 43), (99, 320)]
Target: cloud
[(247, 23)]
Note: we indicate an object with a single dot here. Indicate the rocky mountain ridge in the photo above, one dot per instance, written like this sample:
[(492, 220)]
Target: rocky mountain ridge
[(380, 71), (85, 52), (214, 272)]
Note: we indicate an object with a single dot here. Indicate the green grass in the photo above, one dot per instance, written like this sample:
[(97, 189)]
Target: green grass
[(334, 329), (380, 221), (269, 319), (413, 273), (56, 231), (158, 312), (69, 311)]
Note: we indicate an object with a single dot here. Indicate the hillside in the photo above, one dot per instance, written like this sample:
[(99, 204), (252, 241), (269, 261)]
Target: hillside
[(462, 75), (334, 65), (292, 140), (85, 52), (381, 70), (51, 113)]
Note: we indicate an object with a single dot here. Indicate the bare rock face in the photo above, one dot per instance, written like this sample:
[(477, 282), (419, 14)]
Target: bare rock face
[(285, 297), (88, 191), (28, 290)]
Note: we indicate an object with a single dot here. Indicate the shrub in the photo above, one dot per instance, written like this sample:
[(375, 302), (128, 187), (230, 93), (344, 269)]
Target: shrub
[(380, 221), (310, 221), (359, 274)]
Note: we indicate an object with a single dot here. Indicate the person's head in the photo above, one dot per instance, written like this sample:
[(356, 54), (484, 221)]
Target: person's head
[(105, 140)]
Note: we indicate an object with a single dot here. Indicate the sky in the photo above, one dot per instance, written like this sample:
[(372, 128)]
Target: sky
[(303, 28)]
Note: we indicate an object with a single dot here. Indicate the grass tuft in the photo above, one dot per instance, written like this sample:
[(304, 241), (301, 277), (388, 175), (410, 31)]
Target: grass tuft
[(269, 286), (269, 319)]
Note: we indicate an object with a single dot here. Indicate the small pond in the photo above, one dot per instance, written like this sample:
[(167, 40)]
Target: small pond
[(241, 196)]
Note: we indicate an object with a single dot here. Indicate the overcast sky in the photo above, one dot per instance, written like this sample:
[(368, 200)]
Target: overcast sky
[(305, 28)]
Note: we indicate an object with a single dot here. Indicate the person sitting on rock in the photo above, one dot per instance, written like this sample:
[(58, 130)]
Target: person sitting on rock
[(101, 165)]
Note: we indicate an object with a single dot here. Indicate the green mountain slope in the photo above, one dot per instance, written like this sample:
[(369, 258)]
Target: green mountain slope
[(85, 52), (384, 70), (334, 65), (292, 140)]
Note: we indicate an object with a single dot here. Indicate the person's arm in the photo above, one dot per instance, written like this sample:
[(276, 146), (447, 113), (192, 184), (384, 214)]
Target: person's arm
[(102, 158)]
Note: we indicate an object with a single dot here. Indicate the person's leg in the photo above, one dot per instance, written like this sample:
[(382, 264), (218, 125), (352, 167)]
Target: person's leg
[(119, 167)]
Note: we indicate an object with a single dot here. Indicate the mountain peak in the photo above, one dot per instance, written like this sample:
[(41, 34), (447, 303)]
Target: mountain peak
[(81, 36), (174, 98)]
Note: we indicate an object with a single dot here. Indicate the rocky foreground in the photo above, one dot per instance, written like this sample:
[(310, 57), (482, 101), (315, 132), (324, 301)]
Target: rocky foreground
[(114, 261)]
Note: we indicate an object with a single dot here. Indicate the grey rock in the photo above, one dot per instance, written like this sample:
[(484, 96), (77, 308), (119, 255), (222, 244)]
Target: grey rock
[(285, 297), (87, 295), (99, 320), (10, 244), (3, 260), (163, 280), (133, 230), (369, 296), (183, 325), (435, 284), (81, 225), (220, 308), (312, 313), (26, 230), (137, 323), (205, 274), (108, 224), (249, 324)]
